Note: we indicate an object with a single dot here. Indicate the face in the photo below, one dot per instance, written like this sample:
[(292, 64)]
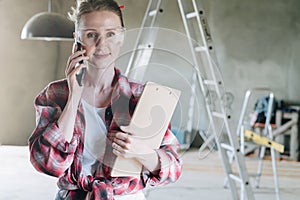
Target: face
[(101, 35)]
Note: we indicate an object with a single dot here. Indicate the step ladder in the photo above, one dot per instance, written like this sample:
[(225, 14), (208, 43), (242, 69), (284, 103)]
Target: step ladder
[(208, 78), (245, 124)]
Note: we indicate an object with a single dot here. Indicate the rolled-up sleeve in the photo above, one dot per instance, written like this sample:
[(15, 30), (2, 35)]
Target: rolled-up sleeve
[(170, 162), (50, 153)]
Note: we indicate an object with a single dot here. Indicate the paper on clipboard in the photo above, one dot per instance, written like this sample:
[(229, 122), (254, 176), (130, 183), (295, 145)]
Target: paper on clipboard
[(150, 121)]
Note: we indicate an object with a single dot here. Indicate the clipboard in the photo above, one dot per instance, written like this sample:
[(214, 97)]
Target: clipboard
[(149, 121)]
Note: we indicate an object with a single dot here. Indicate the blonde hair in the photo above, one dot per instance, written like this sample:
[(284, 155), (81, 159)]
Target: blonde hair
[(87, 6)]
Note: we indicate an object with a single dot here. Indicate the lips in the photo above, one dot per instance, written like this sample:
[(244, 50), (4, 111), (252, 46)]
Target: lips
[(101, 55)]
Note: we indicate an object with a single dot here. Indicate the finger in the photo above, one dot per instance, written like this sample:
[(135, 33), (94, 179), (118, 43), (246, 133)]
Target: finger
[(74, 47), (126, 129), (117, 148), (122, 144), (73, 64), (122, 136)]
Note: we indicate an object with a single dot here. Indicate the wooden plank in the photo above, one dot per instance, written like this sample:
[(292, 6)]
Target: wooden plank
[(256, 138)]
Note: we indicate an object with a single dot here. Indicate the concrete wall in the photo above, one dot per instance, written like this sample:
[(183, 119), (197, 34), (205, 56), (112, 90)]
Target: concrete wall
[(256, 43)]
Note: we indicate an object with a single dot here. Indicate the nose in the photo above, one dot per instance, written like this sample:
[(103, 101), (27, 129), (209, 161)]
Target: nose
[(100, 41)]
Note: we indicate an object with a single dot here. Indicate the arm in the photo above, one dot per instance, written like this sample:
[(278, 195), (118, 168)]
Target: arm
[(53, 142), (50, 153), (169, 161), (162, 165)]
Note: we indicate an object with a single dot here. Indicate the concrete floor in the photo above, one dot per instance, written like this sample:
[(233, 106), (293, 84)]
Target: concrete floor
[(201, 179)]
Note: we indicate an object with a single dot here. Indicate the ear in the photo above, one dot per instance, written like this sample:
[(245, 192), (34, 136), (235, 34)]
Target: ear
[(74, 35)]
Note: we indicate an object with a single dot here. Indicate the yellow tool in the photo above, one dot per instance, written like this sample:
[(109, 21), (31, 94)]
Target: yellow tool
[(264, 141)]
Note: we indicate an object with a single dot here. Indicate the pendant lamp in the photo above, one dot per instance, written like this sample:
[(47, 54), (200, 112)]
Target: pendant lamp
[(48, 26)]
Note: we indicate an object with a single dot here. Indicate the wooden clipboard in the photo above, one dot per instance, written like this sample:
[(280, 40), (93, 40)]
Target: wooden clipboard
[(150, 121)]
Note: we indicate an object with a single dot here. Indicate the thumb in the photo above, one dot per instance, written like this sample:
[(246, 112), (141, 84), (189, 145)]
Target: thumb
[(125, 129)]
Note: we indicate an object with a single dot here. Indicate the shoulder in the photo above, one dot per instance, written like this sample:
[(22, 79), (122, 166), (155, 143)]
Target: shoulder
[(136, 87), (129, 87), (59, 87), (54, 91)]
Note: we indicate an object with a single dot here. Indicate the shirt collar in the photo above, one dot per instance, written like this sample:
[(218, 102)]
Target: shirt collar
[(122, 86)]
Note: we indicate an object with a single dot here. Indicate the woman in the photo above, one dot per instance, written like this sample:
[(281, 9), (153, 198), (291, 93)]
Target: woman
[(81, 129)]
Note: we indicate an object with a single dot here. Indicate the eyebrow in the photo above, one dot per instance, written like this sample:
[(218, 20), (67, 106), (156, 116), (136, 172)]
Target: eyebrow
[(95, 29)]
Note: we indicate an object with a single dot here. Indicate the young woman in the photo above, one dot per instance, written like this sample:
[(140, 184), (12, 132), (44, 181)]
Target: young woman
[(81, 128)]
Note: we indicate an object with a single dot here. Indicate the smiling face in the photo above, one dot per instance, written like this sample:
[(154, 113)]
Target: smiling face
[(101, 35)]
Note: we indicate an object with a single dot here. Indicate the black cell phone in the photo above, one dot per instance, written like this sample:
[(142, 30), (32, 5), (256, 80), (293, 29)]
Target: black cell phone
[(79, 75)]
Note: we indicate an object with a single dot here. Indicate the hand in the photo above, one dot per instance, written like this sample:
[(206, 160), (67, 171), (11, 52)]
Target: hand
[(73, 68), (125, 144)]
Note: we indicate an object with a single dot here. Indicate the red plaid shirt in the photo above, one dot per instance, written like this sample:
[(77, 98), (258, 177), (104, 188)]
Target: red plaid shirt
[(50, 153)]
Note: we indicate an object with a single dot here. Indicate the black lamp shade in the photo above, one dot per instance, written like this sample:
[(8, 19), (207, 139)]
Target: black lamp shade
[(48, 26)]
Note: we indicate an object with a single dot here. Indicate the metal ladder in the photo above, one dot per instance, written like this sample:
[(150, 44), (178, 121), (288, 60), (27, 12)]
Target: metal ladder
[(209, 80), (143, 47), (267, 132)]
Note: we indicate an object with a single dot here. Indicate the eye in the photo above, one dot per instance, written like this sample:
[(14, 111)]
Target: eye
[(110, 34), (92, 35)]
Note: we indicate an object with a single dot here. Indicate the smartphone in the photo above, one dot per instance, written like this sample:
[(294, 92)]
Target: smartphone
[(80, 74)]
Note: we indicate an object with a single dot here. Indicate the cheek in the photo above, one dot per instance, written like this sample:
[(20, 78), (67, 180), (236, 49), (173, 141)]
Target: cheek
[(89, 51), (115, 49)]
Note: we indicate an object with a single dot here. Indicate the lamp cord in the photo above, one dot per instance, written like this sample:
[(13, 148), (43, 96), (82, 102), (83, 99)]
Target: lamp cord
[(49, 6)]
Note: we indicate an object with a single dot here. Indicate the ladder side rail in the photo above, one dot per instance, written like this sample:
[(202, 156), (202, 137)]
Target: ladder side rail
[(223, 154), (240, 160), (204, 42), (192, 103), (187, 31), (196, 68), (266, 133), (156, 11), (273, 155), (269, 116), (242, 115)]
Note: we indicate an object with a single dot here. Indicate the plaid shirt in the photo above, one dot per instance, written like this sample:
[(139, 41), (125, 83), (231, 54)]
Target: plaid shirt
[(50, 153)]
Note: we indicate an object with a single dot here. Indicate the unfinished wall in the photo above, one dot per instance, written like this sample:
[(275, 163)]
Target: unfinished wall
[(257, 44)]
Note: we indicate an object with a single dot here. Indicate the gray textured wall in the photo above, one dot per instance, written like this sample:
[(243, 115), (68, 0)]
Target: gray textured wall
[(256, 43)]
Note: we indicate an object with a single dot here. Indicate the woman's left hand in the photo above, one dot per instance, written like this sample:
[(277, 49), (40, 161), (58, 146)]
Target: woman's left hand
[(125, 144)]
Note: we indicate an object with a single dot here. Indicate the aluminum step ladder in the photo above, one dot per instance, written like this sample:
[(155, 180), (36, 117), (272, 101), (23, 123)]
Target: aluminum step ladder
[(251, 97), (207, 77)]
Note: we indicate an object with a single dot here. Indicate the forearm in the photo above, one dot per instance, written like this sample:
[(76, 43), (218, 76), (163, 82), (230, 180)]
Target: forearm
[(67, 119), (150, 161), (49, 153)]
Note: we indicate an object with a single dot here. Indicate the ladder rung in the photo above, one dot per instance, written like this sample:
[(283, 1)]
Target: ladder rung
[(227, 147), (191, 15), (200, 48), (152, 13), (236, 178), (209, 82), (254, 174), (217, 114)]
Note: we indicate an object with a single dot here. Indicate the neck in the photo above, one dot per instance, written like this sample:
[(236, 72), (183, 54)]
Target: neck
[(98, 86), (100, 78)]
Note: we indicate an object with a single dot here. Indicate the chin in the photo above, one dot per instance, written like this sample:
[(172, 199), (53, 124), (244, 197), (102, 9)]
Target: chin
[(102, 64)]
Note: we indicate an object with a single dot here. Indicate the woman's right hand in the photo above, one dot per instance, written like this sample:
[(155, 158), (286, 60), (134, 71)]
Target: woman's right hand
[(73, 68)]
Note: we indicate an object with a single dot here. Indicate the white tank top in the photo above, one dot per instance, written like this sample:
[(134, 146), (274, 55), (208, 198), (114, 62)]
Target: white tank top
[(95, 142), (94, 136)]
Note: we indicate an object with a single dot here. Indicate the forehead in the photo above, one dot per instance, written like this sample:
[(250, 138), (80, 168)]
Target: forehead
[(97, 19)]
